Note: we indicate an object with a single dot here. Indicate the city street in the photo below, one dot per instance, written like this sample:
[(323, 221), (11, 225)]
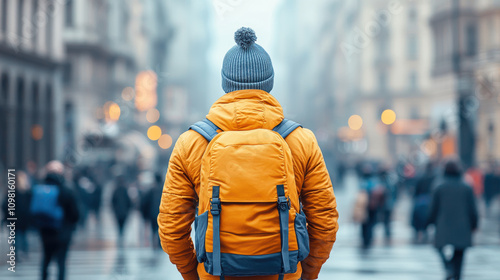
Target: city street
[(95, 256), (111, 111)]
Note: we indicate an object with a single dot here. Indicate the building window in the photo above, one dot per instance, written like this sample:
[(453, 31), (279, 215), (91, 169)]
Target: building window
[(20, 117), (4, 16), (20, 18), (36, 120), (4, 88), (471, 40), (69, 13), (50, 27), (67, 74), (412, 47), (49, 124), (33, 16), (413, 81), (383, 45)]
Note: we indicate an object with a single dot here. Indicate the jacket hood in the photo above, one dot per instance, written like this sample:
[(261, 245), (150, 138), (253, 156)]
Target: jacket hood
[(245, 110)]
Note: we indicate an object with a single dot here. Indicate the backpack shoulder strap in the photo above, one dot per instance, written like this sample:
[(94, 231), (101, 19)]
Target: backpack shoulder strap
[(286, 127), (206, 128)]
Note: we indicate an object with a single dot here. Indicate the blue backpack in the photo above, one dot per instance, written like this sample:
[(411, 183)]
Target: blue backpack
[(45, 208)]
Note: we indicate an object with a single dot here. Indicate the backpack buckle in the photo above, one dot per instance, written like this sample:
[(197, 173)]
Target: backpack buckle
[(283, 203), (215, 206)]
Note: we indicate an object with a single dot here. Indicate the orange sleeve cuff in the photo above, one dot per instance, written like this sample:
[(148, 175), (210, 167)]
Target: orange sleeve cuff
[(192, 275), (309, 272)]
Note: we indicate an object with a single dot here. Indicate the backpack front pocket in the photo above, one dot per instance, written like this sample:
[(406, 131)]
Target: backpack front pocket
[(302, 235), (200, 227)]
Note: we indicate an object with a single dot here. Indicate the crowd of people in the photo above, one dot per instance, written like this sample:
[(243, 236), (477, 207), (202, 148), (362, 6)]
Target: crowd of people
[(442, 194), (55, 201)]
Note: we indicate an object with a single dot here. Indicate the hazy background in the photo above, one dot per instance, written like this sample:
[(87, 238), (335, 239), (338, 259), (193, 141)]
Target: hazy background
[(107, 87)]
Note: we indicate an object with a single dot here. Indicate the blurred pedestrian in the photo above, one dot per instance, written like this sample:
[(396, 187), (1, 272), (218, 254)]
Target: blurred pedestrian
[(453, 212), (82, 185), (421, 203), (122, 204), (22, 213), (375, 192), (151, 208), (55, 212), (95, 197), (388, 183)]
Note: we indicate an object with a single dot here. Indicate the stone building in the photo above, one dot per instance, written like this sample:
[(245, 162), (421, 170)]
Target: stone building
[(467, 68), (105, 46), (31, 97)]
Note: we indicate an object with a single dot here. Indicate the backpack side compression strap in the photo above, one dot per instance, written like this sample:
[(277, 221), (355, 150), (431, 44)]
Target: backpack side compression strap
[(283, 208), (286, 127), (215, 208), (206, 128)]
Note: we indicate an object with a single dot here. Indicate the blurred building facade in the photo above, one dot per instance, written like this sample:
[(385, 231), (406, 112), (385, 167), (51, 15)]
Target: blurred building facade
[(31, 53), (389, 48), (488, 80), (106, 44), (305, 46), (467, 67), (364, 57), (186, 65)]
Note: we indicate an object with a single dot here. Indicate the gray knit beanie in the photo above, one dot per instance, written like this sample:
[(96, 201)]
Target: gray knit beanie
[(247, 65)]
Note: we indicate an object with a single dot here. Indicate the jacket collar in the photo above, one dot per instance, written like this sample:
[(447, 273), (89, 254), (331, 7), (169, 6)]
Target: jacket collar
[(246, 109)]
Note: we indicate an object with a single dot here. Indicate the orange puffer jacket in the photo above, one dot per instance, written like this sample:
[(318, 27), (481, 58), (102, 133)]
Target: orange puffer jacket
[(244, 110)]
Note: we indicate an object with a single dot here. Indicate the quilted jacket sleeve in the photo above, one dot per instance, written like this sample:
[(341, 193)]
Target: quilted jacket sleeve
[(320, 208), (177, 212)]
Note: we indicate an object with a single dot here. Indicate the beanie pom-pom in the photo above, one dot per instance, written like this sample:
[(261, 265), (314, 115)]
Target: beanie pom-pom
[(245, 37)]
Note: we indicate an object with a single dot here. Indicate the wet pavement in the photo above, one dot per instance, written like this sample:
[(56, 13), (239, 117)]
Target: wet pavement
[(95, 256)]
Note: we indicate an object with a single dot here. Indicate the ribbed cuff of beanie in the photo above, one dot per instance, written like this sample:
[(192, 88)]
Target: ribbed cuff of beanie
[(229, 85)]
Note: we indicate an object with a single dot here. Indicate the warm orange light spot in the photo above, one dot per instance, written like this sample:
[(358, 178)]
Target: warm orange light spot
[(111, 111), (355, 122), (114, 112), (37, 132), (154, 132), (388, 117), (153, 115), (145, 90), (128, 93), (165, 141)]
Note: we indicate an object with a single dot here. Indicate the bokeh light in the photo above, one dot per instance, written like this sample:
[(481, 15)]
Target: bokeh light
[(37, 132), (114, 112), (128, 93), (165, 141), (153, 115), (145, 90), (154, 132), (388, 117), (355, 122)]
